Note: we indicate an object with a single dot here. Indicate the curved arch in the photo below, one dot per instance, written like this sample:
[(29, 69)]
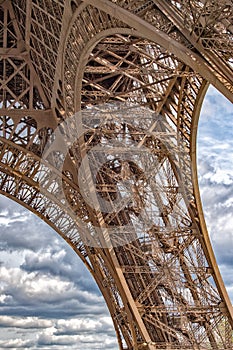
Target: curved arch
[(196, 110), (218, 277), (196, 62), (157, 285), (86, 53)]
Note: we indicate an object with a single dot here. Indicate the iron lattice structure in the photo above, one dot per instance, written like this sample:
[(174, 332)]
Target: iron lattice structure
[(139, 69)]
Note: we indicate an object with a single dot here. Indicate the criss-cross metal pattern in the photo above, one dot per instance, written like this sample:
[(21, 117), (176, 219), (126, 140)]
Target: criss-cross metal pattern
[(138, 70)]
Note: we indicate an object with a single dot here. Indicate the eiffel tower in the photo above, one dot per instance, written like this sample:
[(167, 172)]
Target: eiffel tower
[(119, 86)]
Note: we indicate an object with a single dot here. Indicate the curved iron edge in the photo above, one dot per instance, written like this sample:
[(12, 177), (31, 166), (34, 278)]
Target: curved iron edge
[(208, 246)]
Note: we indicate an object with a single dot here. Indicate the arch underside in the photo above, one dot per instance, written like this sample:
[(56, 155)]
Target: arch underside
[(150, 255)]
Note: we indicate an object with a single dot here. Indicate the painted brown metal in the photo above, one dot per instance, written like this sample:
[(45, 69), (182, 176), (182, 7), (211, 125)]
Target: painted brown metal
[(153, 60)]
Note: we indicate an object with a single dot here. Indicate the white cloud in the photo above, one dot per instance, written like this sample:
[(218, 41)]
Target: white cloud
[(83, 340), (73, 326), (4, 298), (41, 287), (16, 344), (76, 333), (215, 169), (5, 220), (24, 322)]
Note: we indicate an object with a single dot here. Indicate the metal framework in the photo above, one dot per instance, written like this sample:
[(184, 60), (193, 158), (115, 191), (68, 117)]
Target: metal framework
[(138, 70)]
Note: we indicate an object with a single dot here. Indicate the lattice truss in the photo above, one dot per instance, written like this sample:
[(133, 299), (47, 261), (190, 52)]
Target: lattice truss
[(118, 181)]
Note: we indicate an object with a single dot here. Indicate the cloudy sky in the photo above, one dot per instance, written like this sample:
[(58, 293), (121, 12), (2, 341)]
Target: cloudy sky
[(48, 300)]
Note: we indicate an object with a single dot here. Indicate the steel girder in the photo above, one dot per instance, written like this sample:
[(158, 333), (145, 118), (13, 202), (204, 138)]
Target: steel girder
[(141, 68)]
